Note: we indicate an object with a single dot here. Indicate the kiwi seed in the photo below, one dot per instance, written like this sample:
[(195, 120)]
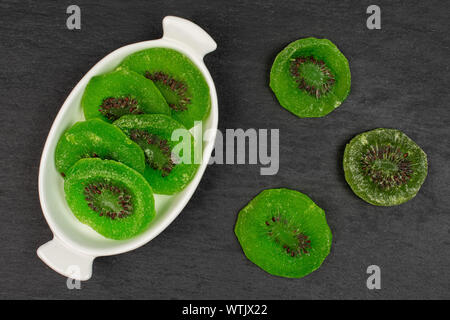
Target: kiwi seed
[(288, 236), (386, 166), (108, 200), (113, 108), (313, 76), (157, 151), (179, 88)]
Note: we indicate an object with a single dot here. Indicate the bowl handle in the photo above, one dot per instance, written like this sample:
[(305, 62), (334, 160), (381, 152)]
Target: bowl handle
[(188, 33), (65, 260)]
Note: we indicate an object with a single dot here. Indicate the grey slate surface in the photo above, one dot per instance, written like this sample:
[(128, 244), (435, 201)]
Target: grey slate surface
[(399, 79)]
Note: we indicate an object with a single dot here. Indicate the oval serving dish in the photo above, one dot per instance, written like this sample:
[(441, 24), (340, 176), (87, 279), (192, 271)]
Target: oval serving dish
[(74, 246)]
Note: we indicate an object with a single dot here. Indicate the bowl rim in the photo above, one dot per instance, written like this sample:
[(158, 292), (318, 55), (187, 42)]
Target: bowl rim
[(145, 237)]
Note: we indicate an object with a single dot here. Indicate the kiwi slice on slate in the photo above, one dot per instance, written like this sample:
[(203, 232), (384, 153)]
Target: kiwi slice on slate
[(284, 232), (310, 77), (97, 139), (113, 199), (179, 80), (384, 167), (112, 95), (153, 133)]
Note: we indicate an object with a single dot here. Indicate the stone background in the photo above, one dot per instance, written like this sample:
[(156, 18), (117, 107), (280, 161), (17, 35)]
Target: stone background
[(399, 79)]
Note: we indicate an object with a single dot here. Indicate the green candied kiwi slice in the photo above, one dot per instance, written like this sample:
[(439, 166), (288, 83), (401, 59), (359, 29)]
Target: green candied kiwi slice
[(153, 133), (310, 77), (179, 80), (111, 198), (384, 167), (112, 95), (284, 232), (96, 139)]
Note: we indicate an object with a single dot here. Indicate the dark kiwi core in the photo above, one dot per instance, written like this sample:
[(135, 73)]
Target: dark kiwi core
[(158, 154), (312, 75), (386, 166), (175, 91), (113, 108), (288, 236), (108, 200)]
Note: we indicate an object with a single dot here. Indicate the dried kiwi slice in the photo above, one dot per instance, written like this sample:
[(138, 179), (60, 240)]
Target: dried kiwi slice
[(113, 199), (96, 139), (112, 95), (310, 77), (384, 167), (284, 232), (178, 79), (153, 133)]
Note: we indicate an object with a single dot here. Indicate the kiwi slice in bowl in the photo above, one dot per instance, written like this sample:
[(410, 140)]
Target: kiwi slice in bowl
[(384, 167), (284, 232), (113, 199), (112, 95), (310, 77), (179, 80), (96, 139), (165, 172)]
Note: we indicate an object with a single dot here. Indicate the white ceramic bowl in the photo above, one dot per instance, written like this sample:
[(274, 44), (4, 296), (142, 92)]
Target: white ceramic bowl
[(75, 245)]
